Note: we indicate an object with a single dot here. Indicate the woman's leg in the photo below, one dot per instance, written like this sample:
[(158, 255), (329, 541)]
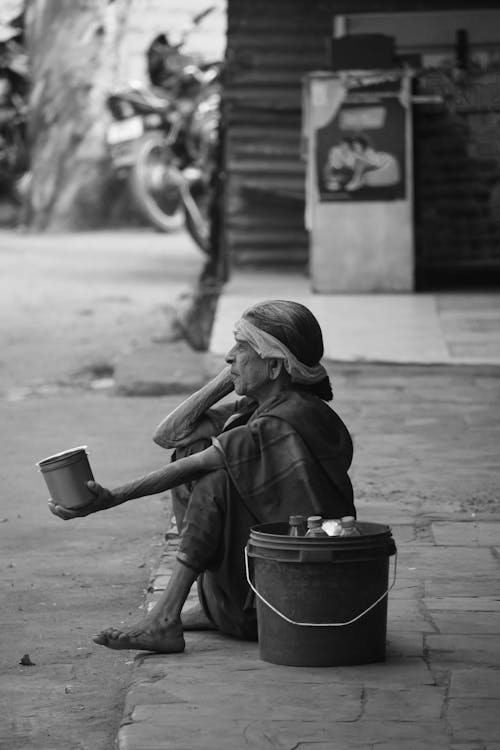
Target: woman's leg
[(181, 494), (222, 587), (161, 630), (194, 618)]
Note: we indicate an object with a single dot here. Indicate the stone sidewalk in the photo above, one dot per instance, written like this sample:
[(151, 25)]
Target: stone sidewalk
[(426, 463), (423, 328)]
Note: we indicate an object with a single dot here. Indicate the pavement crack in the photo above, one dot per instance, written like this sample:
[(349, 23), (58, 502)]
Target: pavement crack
[(363, 700)]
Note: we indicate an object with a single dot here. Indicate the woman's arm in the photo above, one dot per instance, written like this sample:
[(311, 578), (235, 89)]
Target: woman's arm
[(176, 473), (187, 420)]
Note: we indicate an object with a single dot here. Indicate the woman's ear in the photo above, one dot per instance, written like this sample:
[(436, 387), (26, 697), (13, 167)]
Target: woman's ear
[(275, 368)]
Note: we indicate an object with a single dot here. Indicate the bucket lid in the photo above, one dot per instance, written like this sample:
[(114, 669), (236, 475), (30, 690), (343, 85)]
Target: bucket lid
[(61, 456)]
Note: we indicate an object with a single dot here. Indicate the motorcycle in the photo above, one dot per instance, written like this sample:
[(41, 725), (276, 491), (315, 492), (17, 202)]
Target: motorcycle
[(163, 139)]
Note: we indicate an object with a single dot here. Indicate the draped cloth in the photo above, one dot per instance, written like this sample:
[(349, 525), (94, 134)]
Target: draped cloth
[(290, 455)]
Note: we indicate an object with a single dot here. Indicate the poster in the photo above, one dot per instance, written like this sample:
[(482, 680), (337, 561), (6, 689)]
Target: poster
[(361, 150)]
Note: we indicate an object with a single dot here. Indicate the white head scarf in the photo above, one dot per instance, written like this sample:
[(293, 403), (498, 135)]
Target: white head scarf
[(268, 346)]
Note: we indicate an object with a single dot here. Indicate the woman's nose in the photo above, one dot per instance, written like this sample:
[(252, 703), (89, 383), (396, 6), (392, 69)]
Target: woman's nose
[(230, 356)]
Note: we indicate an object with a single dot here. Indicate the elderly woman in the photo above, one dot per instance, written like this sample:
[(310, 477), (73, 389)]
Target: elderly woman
[(278, 451)]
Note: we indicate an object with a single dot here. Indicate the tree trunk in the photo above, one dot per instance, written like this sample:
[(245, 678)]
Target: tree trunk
[(73, 46)]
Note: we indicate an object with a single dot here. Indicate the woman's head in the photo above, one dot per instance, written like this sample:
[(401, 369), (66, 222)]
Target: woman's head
[(295, 327), (291, 323)]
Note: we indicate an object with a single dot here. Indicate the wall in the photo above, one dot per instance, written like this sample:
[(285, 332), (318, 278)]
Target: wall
[(457, 154)]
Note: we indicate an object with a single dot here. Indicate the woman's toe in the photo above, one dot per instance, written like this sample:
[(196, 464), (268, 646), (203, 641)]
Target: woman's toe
[(101, 638), (167, 640)]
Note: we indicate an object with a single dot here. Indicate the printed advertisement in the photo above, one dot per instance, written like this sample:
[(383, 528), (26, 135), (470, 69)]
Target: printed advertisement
[(360, 152)]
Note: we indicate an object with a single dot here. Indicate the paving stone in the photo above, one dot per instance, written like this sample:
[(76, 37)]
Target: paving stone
[(442, 562), (332, 693), (369, 730), (230, 698), (406, 590), (165, 568), (473, 533), (467, 622), (460, 649), (160, 732), (475, 683), (403, 533), (174, 368), (395, 673), (159, 583), (480, 722), (460, 586), (463, 603), (408, 644), (474, 350), (184, 734), (404, 614), (412, 744), (378, 511), (465, 516), (418, 704)]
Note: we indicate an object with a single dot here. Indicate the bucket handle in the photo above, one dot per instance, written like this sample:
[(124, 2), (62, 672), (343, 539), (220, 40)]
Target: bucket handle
[(320, 624)]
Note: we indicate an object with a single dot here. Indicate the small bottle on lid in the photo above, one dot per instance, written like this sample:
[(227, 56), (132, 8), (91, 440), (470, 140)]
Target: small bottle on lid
[(296, 526), (349, 526), (314, 527)]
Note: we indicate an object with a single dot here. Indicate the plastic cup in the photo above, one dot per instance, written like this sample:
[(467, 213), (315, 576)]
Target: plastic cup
[(66, 475)]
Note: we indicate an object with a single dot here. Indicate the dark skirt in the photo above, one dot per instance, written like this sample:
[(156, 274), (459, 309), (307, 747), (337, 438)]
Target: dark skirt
[(214, 526)]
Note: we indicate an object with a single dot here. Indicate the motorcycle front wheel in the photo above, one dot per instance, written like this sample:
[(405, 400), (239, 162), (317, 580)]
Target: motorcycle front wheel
[(154, 184), (197, 203)]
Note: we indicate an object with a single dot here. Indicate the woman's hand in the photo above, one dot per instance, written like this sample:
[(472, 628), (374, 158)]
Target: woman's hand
[(180, 427), (225, 379), (103, 499)]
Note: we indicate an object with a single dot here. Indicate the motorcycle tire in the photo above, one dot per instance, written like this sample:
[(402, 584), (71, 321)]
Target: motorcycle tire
[(197, 204), (153, 183)]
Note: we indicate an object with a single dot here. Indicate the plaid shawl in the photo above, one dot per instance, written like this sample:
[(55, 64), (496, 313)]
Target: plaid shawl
[(292, 456)]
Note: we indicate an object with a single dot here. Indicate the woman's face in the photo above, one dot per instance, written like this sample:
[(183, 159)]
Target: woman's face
[(249, 371)]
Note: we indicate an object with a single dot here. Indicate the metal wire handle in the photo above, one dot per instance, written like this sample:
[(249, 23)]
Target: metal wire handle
[(320, 624)]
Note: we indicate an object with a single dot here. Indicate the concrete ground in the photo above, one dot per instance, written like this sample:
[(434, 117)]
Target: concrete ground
[(426, 463), (61, 582), (71, 307)]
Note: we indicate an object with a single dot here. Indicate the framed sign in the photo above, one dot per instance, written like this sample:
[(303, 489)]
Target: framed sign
[(361, 151)]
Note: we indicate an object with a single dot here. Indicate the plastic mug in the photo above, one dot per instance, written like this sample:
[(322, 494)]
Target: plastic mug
[(66, 475)]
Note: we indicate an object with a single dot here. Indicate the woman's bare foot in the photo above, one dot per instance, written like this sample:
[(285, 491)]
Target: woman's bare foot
[(196, 619), (164, 639)]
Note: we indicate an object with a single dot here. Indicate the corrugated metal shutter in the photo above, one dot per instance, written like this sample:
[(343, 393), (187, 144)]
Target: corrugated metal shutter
[(271, 45)]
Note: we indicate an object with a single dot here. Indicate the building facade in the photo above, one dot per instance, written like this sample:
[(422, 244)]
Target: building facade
[(453, 51)]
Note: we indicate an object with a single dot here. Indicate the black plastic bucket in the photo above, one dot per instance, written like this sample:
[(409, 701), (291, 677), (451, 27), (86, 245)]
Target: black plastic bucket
[(321, 602)]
